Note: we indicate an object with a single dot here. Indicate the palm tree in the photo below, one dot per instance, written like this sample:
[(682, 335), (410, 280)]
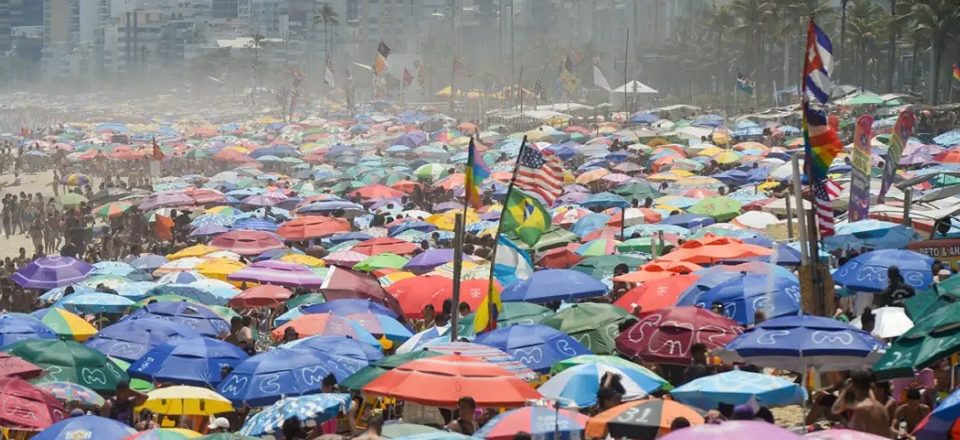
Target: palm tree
[(865, 21), (257, 41), (326, 16), (939, 21), (720, 19)]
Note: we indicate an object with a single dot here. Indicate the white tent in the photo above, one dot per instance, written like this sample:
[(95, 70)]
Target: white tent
[(634, 87)]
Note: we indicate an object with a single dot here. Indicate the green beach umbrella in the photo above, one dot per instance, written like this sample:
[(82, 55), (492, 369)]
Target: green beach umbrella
[(935, 337), (381, 261), (68, 361), (594, 325), (367, 374), (304, 300), (135, 384), (602, 266), (721, 208), (72, 199), (638, 190)]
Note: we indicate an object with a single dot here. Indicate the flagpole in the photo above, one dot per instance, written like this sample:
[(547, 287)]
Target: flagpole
[(496, 237), (626, 56), (453, 88)]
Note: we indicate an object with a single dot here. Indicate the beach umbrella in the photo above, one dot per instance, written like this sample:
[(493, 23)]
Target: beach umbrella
[(339, 346), (246, 242), (537, 346), (13, 366), (72, 200), (738, 388), (86, 427), (422, 337), (869, 233), (577, 386), (376, 246), (114, 268), (661, 293), (64, 324), (429, 259), (867, 272), (642, 419), (186, 400), (382, 325), (95, 303), (367, 374), (325, 324), (197, 250), (415, 293), (593, 325), (131, 339), (720, 208), (733, 430), (16, 327), (796, 343), (49, 272), (890, 322), (542, 422), (26, 407), (513, 313), (849, 434), (279, 273), (443, 380), (188, 361), (665, 336), (112, 209), (381, 261), (165, 434), (227, 436), (68, 392), (264, 295), (267, 377), (609, 360), (743, 295), (255, 224), (195, 316), (932, 338), (554, 285), (71, 362), (308, 227), (351, 306), (74, 179), (711, 250), (316, 408)]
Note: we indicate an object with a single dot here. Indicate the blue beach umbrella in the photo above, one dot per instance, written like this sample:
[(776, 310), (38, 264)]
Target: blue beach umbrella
[(317, 408), (536, 345), (869, 233), (283, 372), (868, 272), (112, 268), (148, 262), (16, 327), (577, 386), (194, 316), (747, 293), (86, 427), (689, 221), (554, 285), (95, 302), (738, 387), (193, 361), (56, 294), (129, 340), (338, 346), (796, 343)]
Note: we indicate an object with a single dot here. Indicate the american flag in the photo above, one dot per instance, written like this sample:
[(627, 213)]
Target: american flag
[(540, 173), (824, 209), (421, 78)]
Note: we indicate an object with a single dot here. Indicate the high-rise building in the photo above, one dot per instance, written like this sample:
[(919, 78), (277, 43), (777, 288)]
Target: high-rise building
[(225, 9), (17, 13)]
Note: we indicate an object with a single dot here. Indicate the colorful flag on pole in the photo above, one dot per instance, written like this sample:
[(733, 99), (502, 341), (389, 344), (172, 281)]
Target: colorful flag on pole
[(328, 78), (485, 318), (474, 175), (407, 77), (956, 72), (525, 217), (817, 64), (157, 153), (859, 206), (901, 132), (511, 263), (538, 86), (744, 84), (421, 78), (380, 59), (541, 173), (567, 76)]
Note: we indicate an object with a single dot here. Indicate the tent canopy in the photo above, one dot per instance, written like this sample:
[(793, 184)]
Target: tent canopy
[(634, 87)]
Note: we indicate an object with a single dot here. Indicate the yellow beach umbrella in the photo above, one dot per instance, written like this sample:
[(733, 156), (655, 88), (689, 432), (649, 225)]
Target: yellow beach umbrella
[(592, 176), (66, 324), (219, 268), (186, 400), (710, 151), (446, 220), (305, 260), (197, 250)]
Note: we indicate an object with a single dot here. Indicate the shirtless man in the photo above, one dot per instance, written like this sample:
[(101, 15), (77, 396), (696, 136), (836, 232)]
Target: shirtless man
[(864, 412), (912, 412)]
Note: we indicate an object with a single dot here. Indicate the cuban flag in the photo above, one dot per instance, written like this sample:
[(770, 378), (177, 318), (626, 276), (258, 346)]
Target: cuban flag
[(818, 64)]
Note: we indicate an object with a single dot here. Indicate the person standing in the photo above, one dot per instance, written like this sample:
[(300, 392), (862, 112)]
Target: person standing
[(465, 422), (864, 412), (898, 291)]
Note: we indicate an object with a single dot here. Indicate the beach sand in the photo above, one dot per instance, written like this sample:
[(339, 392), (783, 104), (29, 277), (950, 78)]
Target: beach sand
[(29, 183)]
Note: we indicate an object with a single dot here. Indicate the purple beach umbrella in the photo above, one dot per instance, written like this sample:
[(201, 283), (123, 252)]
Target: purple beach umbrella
[(50, 272), (429, 259), (279, 273), (160, 200), (733, 430), (208, 230)]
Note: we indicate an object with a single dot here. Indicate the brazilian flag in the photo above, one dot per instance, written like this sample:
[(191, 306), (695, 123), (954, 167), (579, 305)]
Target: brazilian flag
[(525, 217)]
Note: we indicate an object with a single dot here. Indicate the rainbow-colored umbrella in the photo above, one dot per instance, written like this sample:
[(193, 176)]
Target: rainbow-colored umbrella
[(600, 246), (65, 324), (165, 434), (69, 392), (75, 179)]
